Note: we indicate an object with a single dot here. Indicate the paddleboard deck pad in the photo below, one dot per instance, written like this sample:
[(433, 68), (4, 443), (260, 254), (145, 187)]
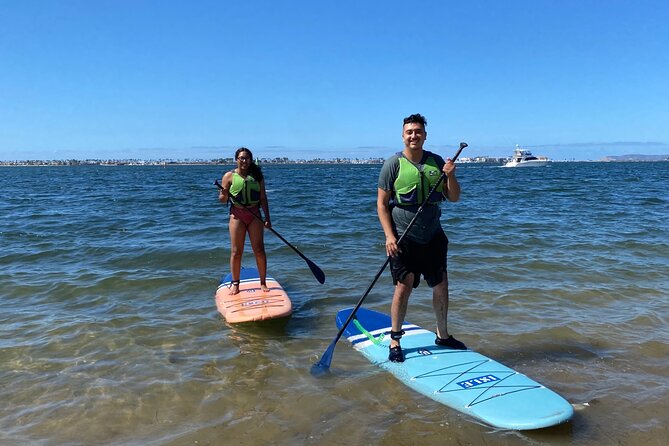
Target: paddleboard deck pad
[(461, 379), (251, 304)]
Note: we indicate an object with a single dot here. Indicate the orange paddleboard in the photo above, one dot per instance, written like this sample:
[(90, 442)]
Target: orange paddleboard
[(251, 304)]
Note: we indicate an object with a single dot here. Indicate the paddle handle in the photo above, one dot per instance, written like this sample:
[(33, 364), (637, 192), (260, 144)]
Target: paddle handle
[(457, 154)]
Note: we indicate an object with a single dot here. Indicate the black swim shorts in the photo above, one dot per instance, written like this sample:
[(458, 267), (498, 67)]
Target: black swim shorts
[(427, 259)]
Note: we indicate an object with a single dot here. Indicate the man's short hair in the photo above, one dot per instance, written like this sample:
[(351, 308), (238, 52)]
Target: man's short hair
[(416, 119)]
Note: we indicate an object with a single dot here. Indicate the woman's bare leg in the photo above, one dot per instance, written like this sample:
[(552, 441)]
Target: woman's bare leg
[(237, 237), (256, 235)]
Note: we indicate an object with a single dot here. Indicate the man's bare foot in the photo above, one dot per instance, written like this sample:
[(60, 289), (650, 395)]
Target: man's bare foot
[(264, 288), (234, 287)]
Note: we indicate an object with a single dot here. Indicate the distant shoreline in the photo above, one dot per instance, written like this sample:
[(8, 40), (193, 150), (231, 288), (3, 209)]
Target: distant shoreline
[(225, 162), (262, 161)]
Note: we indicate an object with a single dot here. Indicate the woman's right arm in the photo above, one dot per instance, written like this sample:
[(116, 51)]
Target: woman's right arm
[(224, 193)]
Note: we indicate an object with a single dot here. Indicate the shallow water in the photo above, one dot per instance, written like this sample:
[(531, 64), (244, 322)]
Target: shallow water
[(109, 332)]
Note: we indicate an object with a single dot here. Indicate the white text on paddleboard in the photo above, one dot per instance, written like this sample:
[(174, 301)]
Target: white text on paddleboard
[(477, 381)]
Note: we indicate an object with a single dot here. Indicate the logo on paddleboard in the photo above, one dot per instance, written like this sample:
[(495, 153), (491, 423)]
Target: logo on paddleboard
[(254, 302), (424, 352), (486, 379)]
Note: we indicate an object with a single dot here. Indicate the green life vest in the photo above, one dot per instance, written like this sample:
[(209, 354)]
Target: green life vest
[(414, 182), (244, 191)]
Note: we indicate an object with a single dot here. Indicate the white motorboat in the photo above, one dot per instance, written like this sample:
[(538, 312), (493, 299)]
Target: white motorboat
[(524, 158)]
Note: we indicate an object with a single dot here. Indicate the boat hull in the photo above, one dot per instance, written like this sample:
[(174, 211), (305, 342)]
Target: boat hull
[(532, 163)]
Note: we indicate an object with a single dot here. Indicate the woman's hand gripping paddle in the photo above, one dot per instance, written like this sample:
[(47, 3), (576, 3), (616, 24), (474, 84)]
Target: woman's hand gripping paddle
[(323, 365), (317, 272)]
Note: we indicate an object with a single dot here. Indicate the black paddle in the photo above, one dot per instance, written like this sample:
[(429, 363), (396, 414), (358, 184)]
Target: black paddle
[(317, 272), (323, 364)]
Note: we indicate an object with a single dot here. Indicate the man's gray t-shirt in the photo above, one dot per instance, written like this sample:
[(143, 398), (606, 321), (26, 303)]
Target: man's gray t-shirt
[(427, 224)]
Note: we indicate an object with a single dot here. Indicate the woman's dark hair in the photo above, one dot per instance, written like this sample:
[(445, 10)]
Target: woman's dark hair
[(254, 170)]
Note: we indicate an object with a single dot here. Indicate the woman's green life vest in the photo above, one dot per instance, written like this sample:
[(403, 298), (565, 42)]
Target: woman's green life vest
[(244, 191), (413, 184)]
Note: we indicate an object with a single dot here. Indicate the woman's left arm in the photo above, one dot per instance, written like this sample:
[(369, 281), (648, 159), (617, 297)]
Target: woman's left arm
[(265, 205)]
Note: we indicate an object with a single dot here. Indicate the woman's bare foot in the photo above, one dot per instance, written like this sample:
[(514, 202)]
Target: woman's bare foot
[(234, 287), (264, 288)]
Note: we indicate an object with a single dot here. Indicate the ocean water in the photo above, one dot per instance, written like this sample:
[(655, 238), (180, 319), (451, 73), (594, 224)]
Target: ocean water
[(109, 333)]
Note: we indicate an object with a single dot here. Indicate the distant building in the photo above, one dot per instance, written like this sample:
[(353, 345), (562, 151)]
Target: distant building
[(481, 160)]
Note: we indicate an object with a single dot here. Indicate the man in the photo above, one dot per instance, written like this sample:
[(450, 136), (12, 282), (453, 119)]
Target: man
[(404, 181)]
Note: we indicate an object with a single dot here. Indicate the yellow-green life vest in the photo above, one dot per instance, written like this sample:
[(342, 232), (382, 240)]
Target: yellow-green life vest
[(412, 184), (244, 191)]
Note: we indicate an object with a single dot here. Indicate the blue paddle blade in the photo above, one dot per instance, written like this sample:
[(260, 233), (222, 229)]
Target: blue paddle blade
[(322, 367)]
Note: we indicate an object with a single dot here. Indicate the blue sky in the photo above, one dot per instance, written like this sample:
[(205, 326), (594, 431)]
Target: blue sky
[(195, 79)]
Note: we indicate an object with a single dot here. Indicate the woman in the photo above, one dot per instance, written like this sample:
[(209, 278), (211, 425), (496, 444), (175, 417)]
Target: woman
[(245, 188)]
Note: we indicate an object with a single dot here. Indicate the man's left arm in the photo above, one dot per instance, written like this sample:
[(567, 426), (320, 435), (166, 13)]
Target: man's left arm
[(451, 185)]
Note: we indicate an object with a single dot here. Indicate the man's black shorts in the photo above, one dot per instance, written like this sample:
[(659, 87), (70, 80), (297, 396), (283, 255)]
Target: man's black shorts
[(428, 259)]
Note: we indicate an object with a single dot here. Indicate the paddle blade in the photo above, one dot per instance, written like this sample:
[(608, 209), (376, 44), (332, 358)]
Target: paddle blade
[(318, 273), (322, 367)]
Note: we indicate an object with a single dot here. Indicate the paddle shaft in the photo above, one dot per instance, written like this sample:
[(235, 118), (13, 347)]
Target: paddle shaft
[(326, 359), (318, 273)]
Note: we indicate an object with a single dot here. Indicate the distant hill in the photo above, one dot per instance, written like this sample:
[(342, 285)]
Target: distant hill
[(636, 157)]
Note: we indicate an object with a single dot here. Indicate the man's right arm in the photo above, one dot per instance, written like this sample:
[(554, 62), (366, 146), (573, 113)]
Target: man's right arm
[(387, 177), (386, 219)]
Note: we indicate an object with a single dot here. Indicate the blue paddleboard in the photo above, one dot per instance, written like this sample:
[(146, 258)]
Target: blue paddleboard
[(461, 379)]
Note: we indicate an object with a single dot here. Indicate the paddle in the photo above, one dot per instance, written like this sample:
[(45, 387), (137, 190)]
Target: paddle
[(317, 272), (323, 364)]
